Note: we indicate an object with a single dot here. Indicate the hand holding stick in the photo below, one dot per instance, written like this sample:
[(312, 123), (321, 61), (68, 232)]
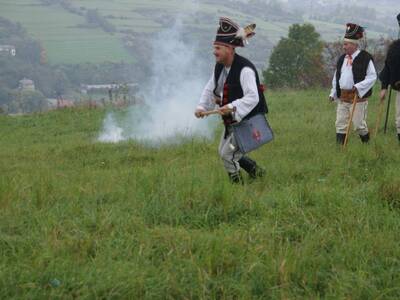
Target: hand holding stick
[(209, 113), (225, 110)]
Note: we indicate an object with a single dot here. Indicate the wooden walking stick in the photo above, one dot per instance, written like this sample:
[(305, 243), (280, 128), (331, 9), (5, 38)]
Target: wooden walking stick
[(387, 111), (210, 112), (350, 120), (379, 118)]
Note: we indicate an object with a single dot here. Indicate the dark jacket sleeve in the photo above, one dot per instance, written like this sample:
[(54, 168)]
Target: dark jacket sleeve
[(384, 76)]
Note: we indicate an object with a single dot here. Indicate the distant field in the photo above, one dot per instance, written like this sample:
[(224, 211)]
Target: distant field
[(84, 220), (64, 42)]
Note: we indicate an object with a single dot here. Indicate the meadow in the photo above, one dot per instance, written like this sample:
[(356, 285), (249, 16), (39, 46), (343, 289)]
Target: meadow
[(82, 219)]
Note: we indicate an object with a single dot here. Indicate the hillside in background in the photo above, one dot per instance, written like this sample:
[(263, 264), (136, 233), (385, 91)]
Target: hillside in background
[(79, 31)]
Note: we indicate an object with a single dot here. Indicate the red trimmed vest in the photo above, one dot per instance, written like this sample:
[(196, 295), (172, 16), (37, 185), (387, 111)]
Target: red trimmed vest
[(233, 90)]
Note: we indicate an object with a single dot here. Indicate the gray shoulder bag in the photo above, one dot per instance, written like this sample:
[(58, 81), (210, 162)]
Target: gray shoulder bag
[(252, 133)]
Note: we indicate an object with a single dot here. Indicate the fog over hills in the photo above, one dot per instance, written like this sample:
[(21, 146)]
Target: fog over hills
[(75, 31), (98, 31)]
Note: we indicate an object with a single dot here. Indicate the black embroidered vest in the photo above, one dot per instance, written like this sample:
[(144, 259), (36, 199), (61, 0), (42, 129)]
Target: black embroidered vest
[(360, 67), (232, 89)]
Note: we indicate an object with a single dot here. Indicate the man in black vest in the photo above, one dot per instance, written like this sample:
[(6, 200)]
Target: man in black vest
[(390, 75), (235, 87), (355, 76)]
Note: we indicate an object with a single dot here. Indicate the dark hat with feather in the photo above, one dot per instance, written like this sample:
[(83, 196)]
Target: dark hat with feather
[(354, 33), (231, 34)]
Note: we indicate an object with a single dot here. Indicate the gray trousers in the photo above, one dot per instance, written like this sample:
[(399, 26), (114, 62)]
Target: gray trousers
[(229, 152)]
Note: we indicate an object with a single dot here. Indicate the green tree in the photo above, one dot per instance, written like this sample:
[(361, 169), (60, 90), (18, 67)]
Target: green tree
[(297, 60), (27, 102)]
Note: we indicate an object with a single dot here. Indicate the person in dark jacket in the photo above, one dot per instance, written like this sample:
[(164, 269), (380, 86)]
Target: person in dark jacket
[(390, 75)]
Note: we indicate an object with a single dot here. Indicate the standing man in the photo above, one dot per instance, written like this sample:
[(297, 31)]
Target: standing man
[(235, 87), (355, 76), (390, 75)]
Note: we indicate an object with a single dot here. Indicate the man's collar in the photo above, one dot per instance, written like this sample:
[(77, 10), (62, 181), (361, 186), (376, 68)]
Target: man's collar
[(354, 55)]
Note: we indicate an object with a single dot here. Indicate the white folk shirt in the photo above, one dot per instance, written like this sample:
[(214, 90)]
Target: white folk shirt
[(243, 105), (346, 81)]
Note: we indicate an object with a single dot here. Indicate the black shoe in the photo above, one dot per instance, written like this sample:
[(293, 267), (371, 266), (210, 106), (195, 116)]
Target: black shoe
[(236, 178), (398, 135), (340, 138), (251, 167), (258, 173), (365, 138)]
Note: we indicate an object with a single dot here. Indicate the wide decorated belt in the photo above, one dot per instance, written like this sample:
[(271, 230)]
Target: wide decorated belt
[(348, 96)]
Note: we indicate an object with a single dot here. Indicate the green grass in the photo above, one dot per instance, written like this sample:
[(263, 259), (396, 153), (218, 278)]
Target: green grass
[(81, 219)]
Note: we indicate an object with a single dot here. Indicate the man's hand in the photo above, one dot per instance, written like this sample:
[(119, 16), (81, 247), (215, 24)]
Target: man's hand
[(225, 110), (199, 113), (217, 101), (356, 91), (383, 95)]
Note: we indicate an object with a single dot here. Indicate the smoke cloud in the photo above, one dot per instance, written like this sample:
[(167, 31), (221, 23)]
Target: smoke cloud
[(170, 96)]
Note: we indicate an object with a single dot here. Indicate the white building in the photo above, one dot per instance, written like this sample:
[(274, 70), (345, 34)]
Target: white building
[(8, 50), (26, 85), (85, 88)]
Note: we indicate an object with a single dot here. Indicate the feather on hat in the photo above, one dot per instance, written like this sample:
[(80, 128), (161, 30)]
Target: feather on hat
[(231, 34)]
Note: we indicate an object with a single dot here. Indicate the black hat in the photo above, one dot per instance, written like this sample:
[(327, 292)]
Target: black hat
[(231, 34), (354, 33), (398, 19)]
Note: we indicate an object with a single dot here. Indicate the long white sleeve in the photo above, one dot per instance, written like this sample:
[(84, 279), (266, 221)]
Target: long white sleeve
[(333, 93), (207, 97), (250, 97), (364, 86)]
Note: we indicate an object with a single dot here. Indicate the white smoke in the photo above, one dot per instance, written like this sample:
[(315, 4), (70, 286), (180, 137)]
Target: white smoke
[(111, 132), (171, 96)]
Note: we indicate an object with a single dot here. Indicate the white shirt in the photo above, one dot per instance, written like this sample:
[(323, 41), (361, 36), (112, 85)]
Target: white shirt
[(243, 105), (346, 81)]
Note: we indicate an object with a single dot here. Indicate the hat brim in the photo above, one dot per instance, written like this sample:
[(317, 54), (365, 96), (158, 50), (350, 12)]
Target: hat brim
[(225, 44), (356, 42)]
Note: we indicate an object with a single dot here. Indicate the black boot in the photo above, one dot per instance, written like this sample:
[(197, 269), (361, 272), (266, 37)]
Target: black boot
[(398, 135), (236, 178), (251, 167), (365, 138), (340, 138)]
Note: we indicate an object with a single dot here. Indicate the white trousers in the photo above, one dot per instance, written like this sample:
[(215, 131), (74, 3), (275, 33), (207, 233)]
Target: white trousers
[(359, 118), (229, 152)]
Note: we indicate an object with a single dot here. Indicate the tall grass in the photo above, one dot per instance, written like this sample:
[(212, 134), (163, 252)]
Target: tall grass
[(80, 219)]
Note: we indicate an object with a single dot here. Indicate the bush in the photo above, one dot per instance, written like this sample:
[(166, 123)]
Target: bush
[(27, 102), (296, 62)]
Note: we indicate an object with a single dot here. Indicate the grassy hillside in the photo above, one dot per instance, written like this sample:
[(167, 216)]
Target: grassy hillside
[(67, 39), (89, 220), (59, 34)]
